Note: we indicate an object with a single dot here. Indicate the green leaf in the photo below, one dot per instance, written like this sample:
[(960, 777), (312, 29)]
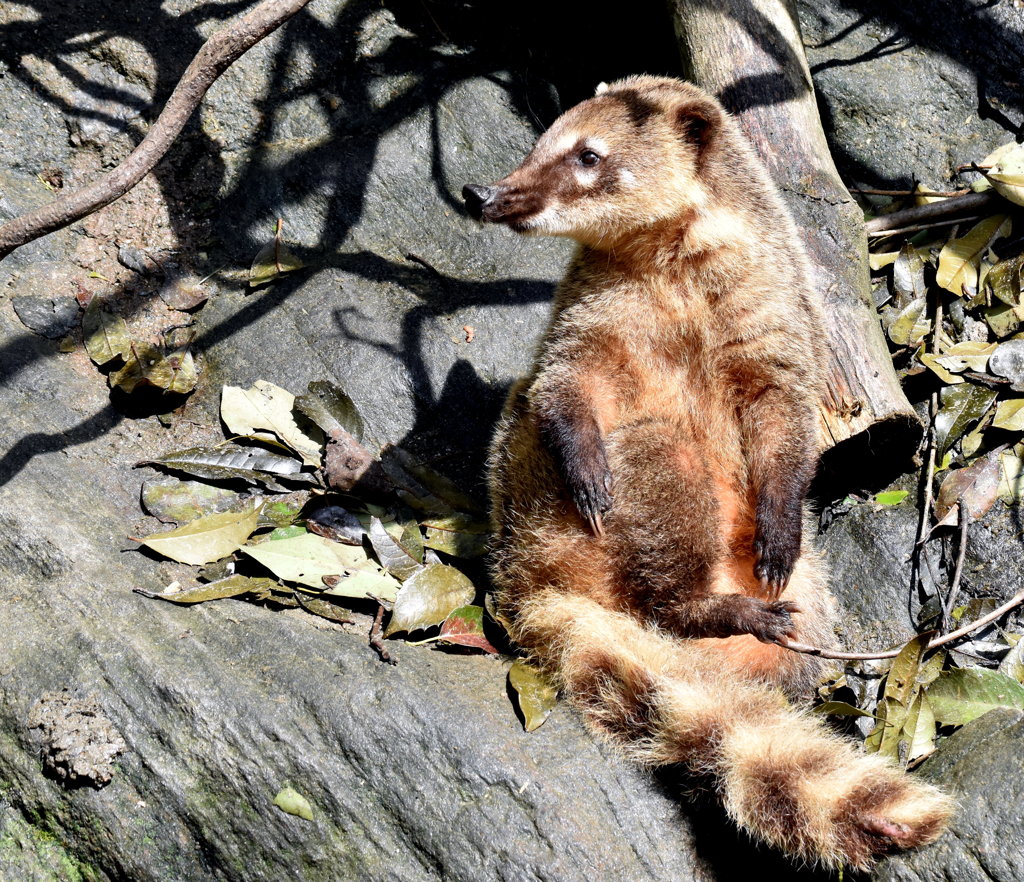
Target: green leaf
[(326, 609), (911, 324), (1003, 320), (1004, 280), (145, 365), (268, 408), (891, 497), (959, 258), (331, 409), (1010, 415), (171, 500), (919, 729), (272, 261), (106, 335), (294, 803), (840, 709), (967, 355), (961, 406), (465, 627), (961, 695), (428, 597), (537, 697), (306, 559), (207, 538), (934, 364), (392, 556), (231, 586), (459, 535)]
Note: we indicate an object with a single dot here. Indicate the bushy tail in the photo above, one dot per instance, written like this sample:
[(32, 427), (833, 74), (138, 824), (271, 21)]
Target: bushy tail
[(780, 773)]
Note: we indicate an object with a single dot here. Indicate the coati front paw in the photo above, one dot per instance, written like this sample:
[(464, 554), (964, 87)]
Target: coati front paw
[(771, 621), (592, 495), (776, 552)]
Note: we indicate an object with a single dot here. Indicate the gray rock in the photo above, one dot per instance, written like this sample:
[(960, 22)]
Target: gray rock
[(908, 93), (983, 765), (48, 316)]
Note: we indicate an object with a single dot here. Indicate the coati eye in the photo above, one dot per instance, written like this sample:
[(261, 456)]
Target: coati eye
[(589, 157)]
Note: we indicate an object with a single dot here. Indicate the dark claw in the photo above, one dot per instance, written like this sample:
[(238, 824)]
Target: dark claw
[(774, 622), (775, 561), (593, 501)]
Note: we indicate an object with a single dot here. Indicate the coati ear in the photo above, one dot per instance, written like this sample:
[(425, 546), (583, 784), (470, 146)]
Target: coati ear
[(601, 89), (699, 123)]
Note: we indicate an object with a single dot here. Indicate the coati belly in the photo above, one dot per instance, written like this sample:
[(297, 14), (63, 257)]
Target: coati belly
[(648, 477)]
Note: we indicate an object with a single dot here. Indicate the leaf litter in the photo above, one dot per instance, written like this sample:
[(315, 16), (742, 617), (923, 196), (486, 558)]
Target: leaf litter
[(258, 517)]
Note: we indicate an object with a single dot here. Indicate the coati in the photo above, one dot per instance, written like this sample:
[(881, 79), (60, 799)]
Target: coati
[(648, 477)]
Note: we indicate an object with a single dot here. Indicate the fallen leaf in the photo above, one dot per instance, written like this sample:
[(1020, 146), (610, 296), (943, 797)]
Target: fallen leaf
[(1004, 320), (106, 335), (145, 365), (428, 597), (331, 409), (958, 261), (233, 462), (231, 586), (1011, 484), (911, 324), (459, 535), (918, 731), (392, 555), (963, 694), (977, 485), (1010, 415), (465, 627), (207, 538), (1004, 280), (307, 558), (537, 697), (961, 406), (268, 408), (967, 355), (171, 500), (273, 260), (840, 709), (1005, 171)]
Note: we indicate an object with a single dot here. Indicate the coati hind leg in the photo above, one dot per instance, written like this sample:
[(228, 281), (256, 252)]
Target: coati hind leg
[(666, 544)]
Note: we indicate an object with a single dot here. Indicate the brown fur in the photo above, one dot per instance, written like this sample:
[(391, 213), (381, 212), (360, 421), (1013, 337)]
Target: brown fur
[(648, 478)]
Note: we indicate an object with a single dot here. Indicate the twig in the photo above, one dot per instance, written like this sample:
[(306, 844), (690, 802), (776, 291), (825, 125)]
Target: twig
[(958, 205), (1013, 602), (943, 193), (216, 55), (954, 587), (377, 634), (916, 228)]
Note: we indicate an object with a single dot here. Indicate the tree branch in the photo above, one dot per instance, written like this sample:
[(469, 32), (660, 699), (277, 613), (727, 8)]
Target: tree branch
[(1013, 602), (952, 207), (216, 55)]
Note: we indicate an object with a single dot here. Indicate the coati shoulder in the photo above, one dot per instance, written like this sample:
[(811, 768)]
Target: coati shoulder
[(648, 476)]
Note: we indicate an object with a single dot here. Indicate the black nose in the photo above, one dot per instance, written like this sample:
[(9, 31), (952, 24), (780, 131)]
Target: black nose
[(476, 198)]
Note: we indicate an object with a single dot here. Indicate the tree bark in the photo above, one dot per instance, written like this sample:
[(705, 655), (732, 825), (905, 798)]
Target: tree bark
[(750, 54)]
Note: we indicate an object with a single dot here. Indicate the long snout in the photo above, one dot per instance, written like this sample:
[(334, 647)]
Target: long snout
[(477, 198)]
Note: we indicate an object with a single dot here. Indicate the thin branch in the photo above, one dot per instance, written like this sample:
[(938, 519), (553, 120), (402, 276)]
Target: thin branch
[(958, 205), (216, 55), (1012, 603), (954, 587), (929, 193), (377, 633), (916, 228)]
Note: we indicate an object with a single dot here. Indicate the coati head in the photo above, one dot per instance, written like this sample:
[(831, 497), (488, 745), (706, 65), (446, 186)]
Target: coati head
[(626, 159)]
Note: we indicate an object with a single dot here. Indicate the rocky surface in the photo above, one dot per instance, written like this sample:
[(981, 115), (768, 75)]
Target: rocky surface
[(357, 126)]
